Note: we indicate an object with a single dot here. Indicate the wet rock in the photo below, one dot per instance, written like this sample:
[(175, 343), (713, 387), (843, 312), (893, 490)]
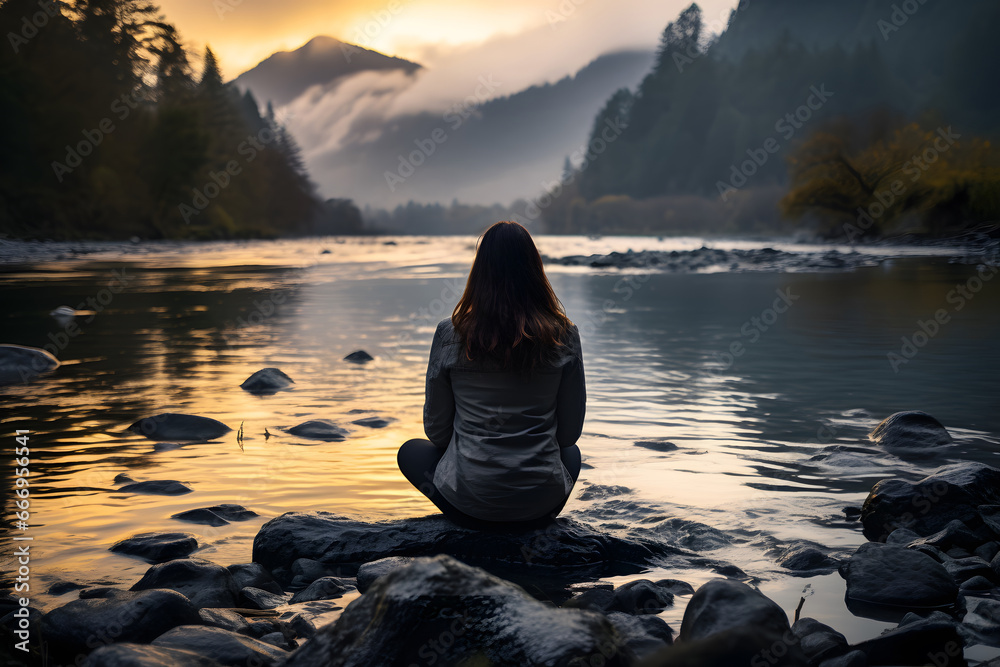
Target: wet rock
[(889, 575), (804, 558), (157, 547), (23, 364), (564, 545), (657, 445), (226, 648), (141, 655), (256, 575), (470, 615), (372, 422), (123, 478), (594, 599), (225, 619), (962, 569), (324, 588), (257, 598), (902, 537), (990, 514), (203, 582), (267, 381), (644, 635), (675, 586), (723, 604), (139, 617), (359, 357), (63, 587), (158, 487), (369, 572), (817, 640), (982, 617), (305, 571), (950, 493), (911, 433), (641, 596), (217, 515), (954, 534), (173, 426), (319, 429), (988, 550), (276, 639), (100, 592), (977, 584), (930, 640)]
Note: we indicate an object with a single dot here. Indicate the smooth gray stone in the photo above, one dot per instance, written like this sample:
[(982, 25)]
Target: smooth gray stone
[(226, 648), (806, 558), (644, 634), (258, 598), (203, 582), (23, 364), (319, 429), (893, 576), (142, 655), (818, 640), (256, 575), (157, 547), (157, 487), (487, 621), (911, 433), (137, 617), (226, 619), (175, 426), (639, 597), (267, 381), (723, 604), (324, 588), (676, 586)]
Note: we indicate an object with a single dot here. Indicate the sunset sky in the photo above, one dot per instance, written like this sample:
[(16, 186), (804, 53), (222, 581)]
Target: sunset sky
[(244, 32)]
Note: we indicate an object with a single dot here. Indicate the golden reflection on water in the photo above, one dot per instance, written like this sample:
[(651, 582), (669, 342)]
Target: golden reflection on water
[(194, 323)]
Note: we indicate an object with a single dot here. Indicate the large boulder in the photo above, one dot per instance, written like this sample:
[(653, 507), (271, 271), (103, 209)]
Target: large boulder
[(24, 364), (896, 578), (564, 544), (141, 655), (267, 381), (456, 614), (952, 492), (723, 604), (173, 426), (80, 626), (203, 582), (222, 646), (157, 547), (912, 433)]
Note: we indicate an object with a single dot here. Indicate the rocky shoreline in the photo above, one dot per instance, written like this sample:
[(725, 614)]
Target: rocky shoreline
[(424, 591)]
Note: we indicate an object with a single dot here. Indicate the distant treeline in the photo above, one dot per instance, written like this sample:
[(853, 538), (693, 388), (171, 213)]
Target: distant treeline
[(109, 133), (726, 133)]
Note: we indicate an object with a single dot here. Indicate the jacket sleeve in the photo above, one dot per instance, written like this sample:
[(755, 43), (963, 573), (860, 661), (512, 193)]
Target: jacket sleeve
[(571, 402), (439, 401)]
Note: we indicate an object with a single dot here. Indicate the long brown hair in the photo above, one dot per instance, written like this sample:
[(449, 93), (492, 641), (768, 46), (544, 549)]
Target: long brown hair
[(508, 313)]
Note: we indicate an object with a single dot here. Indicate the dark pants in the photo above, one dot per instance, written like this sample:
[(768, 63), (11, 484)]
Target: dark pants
[(418, 459)]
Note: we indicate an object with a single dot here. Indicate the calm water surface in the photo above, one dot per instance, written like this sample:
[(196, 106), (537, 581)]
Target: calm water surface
[(760, 459)]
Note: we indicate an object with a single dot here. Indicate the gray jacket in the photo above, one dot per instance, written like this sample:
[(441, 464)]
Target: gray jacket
[(501, 431)]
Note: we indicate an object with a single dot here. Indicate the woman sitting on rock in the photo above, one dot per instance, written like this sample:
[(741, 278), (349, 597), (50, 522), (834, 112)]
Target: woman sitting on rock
[(505, 395)]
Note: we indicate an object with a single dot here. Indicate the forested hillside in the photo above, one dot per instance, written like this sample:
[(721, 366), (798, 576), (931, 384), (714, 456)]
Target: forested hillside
[(110, 132)]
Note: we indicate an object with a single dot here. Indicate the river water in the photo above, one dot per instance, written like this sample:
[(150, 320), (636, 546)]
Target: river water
[(770, 443)]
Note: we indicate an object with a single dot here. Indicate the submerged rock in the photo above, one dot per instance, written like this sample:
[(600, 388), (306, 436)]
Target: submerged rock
[(173, 426), (267, 381), (217, 515), (911, 433), (319, 429), (458, 614), (158, 487), (372, 422), (657, 445), (952, 492), (203, 582), (81, 625), (564, 544), (223, 646), (157, 547), (142, 655), (23, 364), (359, 357), (888, 575)]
